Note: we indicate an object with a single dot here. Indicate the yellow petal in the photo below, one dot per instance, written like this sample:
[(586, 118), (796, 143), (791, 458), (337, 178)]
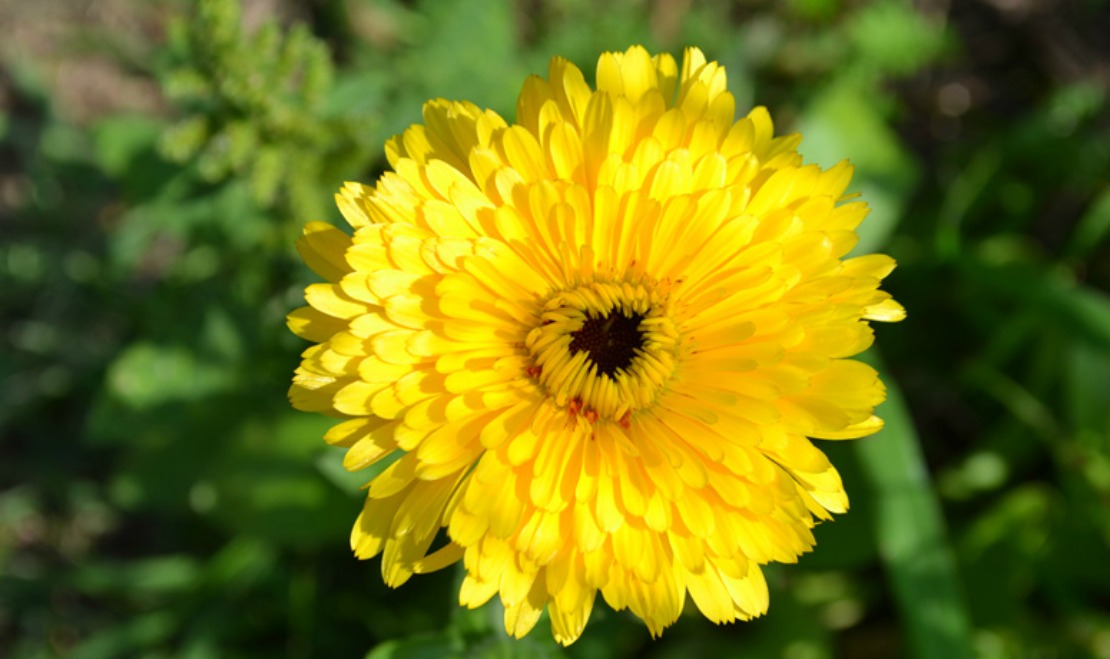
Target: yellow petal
[(323, 247), (472, 331)]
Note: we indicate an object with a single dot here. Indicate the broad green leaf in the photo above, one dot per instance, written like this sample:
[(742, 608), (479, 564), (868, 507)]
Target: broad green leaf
[(912, 539)]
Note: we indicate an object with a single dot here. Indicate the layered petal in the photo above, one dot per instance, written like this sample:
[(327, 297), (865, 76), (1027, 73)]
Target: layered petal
[(594, 346)]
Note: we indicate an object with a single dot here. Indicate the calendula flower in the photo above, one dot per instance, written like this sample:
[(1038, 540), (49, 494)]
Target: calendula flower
[(595, 345)]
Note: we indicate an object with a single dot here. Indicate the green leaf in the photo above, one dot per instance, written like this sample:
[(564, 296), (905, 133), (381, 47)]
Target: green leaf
[(181, 142), (911, 537), (891, 37), (147, 374), (357, 93), (129, 638), (121, 139), (1093, 229), (999, 547), (1073, 309), (468, 50), (266, 483), (439, 645), (1088, 380), (147, 576), (972, 183), (239, 565)]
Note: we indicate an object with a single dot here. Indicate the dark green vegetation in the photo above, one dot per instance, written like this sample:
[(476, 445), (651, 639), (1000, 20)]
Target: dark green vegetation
[(158, 498)]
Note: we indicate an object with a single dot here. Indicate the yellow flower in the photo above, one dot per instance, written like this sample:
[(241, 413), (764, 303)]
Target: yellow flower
[(595, 344)]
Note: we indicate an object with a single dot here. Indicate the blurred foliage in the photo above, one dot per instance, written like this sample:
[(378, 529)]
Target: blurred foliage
[(261, 107), (159, 499)]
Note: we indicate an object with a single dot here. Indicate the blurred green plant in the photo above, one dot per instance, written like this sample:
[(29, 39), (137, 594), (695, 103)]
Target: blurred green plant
[(158, 498), (259, 107)]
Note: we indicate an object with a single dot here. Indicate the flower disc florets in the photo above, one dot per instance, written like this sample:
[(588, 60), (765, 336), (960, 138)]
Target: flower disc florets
[(604, 349), (595, 345)]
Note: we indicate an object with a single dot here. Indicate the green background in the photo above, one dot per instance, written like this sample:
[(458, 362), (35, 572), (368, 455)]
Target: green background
[(159, 498)]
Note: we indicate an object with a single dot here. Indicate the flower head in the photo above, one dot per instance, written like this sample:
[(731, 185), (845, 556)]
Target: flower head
[(596, 344)]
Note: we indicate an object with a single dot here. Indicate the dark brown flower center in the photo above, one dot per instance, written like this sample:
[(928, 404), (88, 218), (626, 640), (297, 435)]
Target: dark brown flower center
[(610, 341)]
